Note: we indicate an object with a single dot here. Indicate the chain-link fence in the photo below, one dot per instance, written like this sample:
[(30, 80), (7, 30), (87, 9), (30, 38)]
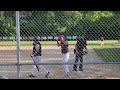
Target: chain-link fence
[(100, 28)]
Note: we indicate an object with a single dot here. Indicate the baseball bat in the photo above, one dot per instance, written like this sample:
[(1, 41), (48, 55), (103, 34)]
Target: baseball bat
[(34, 62)]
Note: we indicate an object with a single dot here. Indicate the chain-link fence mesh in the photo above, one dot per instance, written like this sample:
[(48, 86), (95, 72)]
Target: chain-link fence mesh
[(100, 28)]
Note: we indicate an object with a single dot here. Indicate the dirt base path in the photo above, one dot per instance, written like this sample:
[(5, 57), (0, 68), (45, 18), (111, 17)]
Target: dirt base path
[(52, 54)]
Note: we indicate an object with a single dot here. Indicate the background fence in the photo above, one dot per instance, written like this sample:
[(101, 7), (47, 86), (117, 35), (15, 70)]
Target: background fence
[(18, 29)]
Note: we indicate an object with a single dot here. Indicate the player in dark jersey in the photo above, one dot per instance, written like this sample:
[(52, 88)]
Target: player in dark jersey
[(65, 54), (36, 54)]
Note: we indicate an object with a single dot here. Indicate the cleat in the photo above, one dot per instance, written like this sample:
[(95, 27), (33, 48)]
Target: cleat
[(80, 69), (74, 70), (31, 75), (47, 75)]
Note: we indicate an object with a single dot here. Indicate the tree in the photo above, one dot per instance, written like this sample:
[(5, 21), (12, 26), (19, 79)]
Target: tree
[(7, 23)]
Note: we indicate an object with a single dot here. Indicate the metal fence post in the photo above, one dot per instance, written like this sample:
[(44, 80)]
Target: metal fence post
[(18, 43)]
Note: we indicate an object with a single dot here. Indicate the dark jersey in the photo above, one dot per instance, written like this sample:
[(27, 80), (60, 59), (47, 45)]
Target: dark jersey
[(64, 47), (81, 44), (35, 51)]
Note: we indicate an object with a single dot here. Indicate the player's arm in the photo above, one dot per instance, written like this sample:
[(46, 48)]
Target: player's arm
[(58, 43), (40, 49), (86, 48), (33, 51), (76, 48)]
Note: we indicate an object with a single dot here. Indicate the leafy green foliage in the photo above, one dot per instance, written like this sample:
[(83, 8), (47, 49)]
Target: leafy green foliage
[(93, 24)]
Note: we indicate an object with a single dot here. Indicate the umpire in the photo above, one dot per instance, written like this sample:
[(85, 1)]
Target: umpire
[(78, 51)]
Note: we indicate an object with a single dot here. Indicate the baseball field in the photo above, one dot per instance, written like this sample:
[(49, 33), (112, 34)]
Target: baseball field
[(95, 63)]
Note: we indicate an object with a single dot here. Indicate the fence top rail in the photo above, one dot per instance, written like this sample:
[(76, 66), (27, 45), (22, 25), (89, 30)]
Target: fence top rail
[(19, 64)]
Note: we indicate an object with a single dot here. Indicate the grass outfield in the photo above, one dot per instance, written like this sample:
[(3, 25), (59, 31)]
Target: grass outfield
[(109, 52), (90, 43), (30, 42)]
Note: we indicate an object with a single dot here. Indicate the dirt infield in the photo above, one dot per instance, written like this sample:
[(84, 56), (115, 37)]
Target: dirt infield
[(51, 53)]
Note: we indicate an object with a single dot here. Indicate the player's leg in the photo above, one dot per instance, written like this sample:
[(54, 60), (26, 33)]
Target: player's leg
[(81, 61), (34, 68), (76, 61), (102, 43), (65, 60), (34, 71), (42, 67)]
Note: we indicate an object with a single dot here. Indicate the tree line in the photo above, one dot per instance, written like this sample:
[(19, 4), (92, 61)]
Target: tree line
[(91, 24)]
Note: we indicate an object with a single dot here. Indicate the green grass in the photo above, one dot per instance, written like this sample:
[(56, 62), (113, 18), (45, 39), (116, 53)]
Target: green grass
[(109, 52), (30, 42)]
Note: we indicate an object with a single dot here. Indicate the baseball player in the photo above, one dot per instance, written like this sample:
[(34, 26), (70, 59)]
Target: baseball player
[(65, 54), (102, 40), (37, 58)]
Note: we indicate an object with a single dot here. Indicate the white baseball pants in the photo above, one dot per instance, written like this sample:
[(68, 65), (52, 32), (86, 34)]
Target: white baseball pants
[(65, 60), (37, 59)]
